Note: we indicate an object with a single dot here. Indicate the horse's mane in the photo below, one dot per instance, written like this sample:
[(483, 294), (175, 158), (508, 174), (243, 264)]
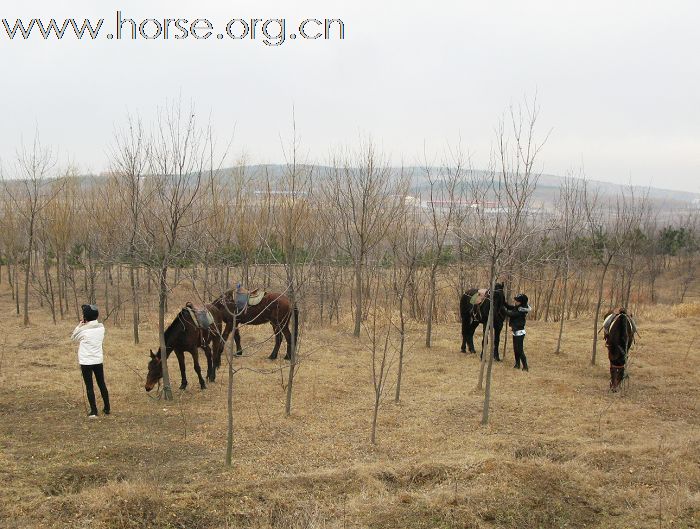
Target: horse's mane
[(174, 327)]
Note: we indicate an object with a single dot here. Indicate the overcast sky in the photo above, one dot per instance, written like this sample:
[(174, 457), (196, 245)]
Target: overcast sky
[(618, 82)]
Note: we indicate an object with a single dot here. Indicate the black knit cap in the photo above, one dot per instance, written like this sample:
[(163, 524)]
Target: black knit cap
[(90, 312), (522, 298)]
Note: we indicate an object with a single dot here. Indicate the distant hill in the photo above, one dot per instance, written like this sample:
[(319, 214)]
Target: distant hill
[(545, 195), (547, 187)]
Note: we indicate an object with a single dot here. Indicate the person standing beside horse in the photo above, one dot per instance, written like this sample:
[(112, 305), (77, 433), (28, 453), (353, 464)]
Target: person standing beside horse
[(89, 334), (516, 316)]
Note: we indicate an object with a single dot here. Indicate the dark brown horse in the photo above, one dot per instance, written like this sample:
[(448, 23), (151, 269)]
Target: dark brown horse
[(474, 315), (187, 334), (619, 330), (274, 308)]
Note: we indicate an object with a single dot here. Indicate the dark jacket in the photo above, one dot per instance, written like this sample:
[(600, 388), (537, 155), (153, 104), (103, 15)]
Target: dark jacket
[(516, 316)]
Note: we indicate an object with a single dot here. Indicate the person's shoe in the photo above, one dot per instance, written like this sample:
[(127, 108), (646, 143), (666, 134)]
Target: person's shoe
[(516, 366), (92, 416), (105, 411)]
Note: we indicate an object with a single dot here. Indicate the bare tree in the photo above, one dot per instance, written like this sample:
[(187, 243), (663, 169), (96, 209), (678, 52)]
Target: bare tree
[(501, 226), (610, 224), (363, 195), (442, 206), (31, 192), (379, 330), (293, 230), (130, 160), (178, 158), (570, 218), (408, 243)]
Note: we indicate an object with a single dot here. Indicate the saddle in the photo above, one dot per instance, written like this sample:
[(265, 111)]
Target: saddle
[(245, 298), (612, 318), (479, 296), (200, 315)]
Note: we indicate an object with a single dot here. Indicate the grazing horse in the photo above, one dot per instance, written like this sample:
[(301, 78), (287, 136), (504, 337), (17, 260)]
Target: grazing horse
[(188, 333), (475, 311), (273, 308), (619, 329)]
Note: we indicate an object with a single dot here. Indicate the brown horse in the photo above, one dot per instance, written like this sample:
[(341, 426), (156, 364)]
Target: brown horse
[(619, 333), (274, 308), (187, 334)]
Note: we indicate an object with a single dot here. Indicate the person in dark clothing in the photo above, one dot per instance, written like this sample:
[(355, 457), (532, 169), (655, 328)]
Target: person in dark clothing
[(89, 334), (516, 316)]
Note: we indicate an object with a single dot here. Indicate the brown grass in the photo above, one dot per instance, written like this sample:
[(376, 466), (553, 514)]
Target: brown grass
[(560, 451), (685, 310)]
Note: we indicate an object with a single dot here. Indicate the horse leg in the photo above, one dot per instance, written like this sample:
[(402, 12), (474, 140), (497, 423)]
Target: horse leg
[(216, 356), (288, 338), (497, 340), (197, 369), (470, 336), (237, 339), (465, 333), (181, 362), (208, 355), (278, 342)]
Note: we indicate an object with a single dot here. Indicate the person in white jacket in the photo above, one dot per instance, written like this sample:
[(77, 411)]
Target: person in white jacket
[(89, 334)]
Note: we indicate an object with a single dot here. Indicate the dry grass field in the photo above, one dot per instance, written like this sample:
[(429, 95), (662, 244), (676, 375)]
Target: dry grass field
[(561, 451)]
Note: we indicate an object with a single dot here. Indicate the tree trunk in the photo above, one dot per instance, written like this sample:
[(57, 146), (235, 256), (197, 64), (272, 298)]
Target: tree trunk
[(599, 303), (375, 415), (551, 293), (134, 303), (229, 399), (487, 343), (105, 271), (49, 287), (26, 272), (431, 306), (402, 328), (162, 299), (564, 298), (16, 290), (293, 353), (59, 284), (491, 332), (358, 298)]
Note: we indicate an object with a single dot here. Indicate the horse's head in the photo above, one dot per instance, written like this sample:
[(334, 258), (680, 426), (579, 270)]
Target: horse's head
[(619, 339), (498, 294), (155, 370)]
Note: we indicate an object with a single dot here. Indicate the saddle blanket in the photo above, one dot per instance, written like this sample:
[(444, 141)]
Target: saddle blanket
[(248, 299), (200, 315)]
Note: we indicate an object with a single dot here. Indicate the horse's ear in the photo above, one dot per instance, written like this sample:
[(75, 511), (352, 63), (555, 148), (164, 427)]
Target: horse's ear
[(152, 353)]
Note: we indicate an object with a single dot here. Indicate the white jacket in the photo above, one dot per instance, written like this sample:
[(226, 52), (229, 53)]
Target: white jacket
[(89, 337)]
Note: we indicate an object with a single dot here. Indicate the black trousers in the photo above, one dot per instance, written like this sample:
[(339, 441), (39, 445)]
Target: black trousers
[(98, 370), (519, 351)]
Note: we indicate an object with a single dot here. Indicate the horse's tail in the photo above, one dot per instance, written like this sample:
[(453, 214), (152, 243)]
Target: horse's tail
[(296, 325), (465, 307)]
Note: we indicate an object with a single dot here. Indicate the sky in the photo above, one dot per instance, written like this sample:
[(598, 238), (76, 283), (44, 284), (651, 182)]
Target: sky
[(617, 83)]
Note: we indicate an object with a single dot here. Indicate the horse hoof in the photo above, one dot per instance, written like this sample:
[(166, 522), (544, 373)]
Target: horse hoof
[(183, 387), (203, 386), (287, 358)]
